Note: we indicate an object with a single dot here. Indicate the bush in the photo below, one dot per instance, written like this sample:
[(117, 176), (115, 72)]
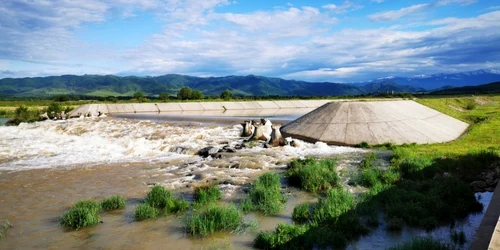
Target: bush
[(423, 244), (207, 194), (214, 219), (336, 202), (302, 213), (282, 235), (363, 145), (113, 202), (145, 212), (368, 161), (84, 213), (22, 114), (312, 175), (265, 195), (161, 198)]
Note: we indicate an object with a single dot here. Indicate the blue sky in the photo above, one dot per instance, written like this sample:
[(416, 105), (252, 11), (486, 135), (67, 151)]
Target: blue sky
[(337, 41)]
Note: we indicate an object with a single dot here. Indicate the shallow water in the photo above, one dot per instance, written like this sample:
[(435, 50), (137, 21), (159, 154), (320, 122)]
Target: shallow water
[(47, 166), (3, 121)]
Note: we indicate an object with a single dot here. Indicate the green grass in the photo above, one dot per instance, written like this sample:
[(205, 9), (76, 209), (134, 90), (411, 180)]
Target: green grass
[(146, 212), (282, 235), (423, 244), (265, 195), (161, 198), (84, 213), (302, 213), (113, 203), (208, 194), (3, 229), (214, 219), (313, 175)]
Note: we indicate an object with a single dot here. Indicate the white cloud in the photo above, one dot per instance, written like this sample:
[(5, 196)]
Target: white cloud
[(346, 6), (396, 14)]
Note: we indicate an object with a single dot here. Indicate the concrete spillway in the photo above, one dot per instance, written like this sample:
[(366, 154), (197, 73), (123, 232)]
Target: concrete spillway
[(398, 122), (197, 107)]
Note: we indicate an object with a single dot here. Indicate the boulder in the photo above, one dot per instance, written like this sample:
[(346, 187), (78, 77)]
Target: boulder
[(248, 129), (258, 134), (208, 151), (179, 150), (276, 137), (478, 186)]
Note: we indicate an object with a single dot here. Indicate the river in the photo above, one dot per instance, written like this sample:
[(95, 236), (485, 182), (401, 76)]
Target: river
[(47, 166)]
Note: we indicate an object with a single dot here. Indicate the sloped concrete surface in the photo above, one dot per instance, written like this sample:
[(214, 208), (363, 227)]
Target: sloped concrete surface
[(398, 122)]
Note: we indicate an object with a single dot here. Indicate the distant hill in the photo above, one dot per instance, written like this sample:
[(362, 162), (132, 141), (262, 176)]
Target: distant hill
[(251, 85), (437, 81), (109, 85), (480, 89)]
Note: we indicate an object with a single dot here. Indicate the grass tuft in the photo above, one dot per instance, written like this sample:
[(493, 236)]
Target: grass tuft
[(281, 236), (113, 203), (145, 212), (84, 213), (204, 195), (5, 226), (214, 219), (312, 175), (265, 195), (302, 213), (161, 198)]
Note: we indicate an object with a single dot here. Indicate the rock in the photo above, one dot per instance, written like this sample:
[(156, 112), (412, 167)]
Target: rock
[(236, 165), (258, 134), (491, 182), (208, 151), (179, 150), (248, 129), (478, 186), (239, 146), (294, 144), (276, 137), (267, 129), (227, 149)]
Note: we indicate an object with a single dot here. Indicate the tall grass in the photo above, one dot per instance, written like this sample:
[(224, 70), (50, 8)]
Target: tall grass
[(113, 203), (281, 236), (161, 198), (214, 219), (265, 195), (313, 175), (84, 213), (145, 212), (3, 229), (204, 195)]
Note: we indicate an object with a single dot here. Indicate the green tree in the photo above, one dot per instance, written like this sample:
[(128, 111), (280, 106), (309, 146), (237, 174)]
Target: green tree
[(112, 99), (163, 96), (139, 96), (196, 95), (60, 98), (226, 95), (184, 93), (54, 107)]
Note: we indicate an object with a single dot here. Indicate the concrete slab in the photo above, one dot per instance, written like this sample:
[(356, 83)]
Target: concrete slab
[(268, 105), (120, 108), (145, 108), (211, 105), (232, 105), (168, 107), (250, 105), (299, 104), (191, 106), (285, 104), (375, 123), (488, 234)]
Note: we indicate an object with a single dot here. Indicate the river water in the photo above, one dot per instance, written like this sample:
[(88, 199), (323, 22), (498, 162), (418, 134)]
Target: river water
[(47, 166)]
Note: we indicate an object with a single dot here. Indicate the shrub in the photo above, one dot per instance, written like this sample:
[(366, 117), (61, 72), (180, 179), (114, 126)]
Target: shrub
[(113, 202), (145, 212), (214, 219), (368, 161), (282, 235), (265, 195), (302, 213), (83, 214), (458, 237), (363, 145), (336, 202), (161, 198), (312, 175), (207, 194), (423, 244)]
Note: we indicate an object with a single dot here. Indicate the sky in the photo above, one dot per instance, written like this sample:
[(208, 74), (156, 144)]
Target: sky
[(336, 41)]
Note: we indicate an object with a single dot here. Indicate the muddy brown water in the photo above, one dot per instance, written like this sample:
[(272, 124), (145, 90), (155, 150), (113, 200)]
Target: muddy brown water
[(34, 199)]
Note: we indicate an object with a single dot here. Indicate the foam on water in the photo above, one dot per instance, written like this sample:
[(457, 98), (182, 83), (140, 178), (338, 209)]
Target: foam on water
[(87, 142)]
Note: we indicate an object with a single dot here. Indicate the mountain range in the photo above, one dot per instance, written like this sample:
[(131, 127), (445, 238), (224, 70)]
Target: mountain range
[(251, 85)]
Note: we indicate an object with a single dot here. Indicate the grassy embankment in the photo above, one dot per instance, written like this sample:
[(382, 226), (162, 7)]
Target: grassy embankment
[(426, 186)]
